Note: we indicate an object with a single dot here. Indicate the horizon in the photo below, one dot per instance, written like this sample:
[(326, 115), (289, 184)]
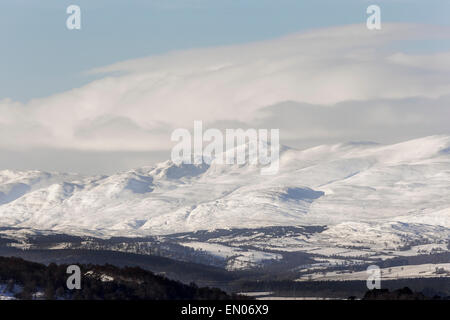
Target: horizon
[(194, 156)]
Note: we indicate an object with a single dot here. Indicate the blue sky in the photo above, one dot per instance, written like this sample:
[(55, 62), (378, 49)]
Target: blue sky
[(39, 56), (107, 97)]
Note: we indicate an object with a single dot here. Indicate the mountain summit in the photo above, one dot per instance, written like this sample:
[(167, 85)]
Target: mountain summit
[(331, 185)]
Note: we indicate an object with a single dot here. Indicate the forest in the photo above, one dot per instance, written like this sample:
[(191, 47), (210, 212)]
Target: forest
[(30, 280)]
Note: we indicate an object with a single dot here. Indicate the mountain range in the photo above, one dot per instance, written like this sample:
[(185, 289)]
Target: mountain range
[(329, 184), (366, 201)]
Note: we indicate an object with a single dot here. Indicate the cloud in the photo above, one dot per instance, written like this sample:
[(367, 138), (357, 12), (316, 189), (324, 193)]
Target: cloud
[(331, 74), (382, 120), (439, 62)]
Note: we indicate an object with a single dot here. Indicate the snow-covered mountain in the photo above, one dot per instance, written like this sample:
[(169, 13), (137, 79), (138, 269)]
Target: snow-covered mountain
[(352, 187)]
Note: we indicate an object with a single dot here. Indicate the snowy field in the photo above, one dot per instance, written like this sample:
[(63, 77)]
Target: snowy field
[(392, 273)]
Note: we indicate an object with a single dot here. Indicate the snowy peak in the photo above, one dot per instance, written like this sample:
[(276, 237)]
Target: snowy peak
[(326, 185)]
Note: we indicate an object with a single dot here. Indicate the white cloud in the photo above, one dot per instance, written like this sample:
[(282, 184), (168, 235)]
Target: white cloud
[(139, 102), (439, 62)]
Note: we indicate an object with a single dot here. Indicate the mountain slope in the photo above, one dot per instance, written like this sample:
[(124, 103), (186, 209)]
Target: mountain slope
[(334, 185)]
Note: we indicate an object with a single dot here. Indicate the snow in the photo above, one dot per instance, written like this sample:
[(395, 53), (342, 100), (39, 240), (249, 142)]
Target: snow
[(256, 293), (100, 276), (237, 258), (369, 193), (391, 273), (9, 295)]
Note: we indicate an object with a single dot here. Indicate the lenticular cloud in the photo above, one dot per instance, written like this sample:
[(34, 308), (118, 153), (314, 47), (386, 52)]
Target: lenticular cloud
[(139, 102)]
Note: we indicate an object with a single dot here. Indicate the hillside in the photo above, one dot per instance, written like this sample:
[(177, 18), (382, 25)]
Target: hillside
[(28, 280)]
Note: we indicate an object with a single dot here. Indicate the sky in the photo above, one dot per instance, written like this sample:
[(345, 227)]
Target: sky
[(105, 98)]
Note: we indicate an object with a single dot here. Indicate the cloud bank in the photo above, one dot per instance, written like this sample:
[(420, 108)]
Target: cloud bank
[(334, 84)]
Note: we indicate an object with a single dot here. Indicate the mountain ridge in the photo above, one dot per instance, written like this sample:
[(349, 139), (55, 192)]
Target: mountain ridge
[(328, 185)]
